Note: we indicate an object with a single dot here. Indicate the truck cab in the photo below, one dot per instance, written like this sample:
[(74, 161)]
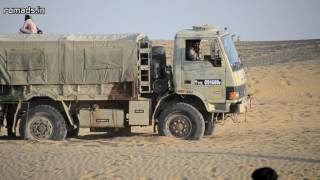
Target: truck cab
[(208, 83), (215, 75)]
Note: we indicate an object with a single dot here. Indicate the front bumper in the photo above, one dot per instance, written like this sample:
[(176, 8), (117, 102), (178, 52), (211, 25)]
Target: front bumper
[(241, 106)]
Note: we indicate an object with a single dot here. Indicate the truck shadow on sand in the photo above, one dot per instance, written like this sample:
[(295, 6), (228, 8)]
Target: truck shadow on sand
[(97, 136), (5, 137), (101, 136)]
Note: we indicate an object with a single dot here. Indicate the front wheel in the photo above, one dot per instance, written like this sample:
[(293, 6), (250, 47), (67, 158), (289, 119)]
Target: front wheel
[(181, 120), (43, 122)]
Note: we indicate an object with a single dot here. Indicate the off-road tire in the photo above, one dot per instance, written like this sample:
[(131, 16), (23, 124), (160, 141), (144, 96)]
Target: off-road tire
[(39, 114), (181, 118)]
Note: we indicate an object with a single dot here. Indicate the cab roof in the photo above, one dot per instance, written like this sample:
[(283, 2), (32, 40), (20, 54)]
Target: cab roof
[(199, 31)]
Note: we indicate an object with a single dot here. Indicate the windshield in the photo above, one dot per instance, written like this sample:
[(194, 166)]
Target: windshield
[(230, 50)]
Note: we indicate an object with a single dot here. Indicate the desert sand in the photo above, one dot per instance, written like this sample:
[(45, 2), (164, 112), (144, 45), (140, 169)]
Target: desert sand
[(282, 131)]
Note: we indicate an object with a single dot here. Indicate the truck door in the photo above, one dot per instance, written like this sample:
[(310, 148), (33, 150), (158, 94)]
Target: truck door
[(203, 69)]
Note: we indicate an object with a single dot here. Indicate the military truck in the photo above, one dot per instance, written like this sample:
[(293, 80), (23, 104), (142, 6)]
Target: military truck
[(52, 85)]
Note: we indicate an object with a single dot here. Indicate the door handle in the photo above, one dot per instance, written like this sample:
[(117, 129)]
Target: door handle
[(187, 81)]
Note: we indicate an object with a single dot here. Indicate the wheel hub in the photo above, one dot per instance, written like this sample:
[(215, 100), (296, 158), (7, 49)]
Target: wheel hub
[(180, 126), (41, 128)]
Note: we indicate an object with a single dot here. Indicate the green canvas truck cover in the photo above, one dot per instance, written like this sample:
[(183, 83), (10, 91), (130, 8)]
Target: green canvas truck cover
[(68, 59)]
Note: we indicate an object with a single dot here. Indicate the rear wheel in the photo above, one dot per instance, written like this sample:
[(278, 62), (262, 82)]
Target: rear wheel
[(43, 122), (181, 120)]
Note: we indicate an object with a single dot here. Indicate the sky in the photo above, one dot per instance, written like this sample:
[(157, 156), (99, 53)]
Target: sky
[(252, 20)]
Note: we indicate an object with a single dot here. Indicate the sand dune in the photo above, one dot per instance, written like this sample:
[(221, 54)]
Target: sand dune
[(282, 130)]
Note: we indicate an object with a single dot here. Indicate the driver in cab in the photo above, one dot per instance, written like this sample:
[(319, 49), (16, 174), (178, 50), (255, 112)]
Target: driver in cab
[(194, 51)]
